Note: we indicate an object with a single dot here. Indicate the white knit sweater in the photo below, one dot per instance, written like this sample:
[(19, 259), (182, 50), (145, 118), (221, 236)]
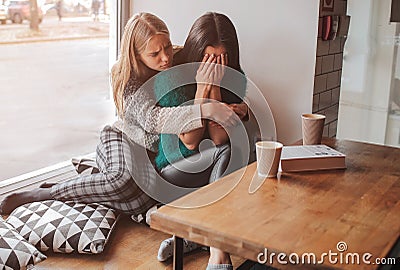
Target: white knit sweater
[(143, 121)]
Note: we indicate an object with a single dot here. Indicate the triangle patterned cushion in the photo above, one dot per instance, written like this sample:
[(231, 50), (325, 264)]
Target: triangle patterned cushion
[(85, 166), (64, 227), (15, 251)]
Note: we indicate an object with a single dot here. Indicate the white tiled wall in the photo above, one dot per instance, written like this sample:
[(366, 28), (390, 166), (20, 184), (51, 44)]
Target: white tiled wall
[(329, 58)]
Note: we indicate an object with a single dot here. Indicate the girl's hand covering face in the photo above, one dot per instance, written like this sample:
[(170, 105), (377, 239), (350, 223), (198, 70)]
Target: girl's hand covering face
[(212, 69), (205, 71), (219, 69)]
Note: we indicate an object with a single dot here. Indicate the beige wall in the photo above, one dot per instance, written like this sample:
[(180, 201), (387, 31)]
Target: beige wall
[(277, 43)]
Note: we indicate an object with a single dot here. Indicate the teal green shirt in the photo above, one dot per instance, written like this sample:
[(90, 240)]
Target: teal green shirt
[(171, 148)]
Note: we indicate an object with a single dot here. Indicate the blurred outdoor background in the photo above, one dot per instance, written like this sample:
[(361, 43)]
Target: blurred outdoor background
[(54, 81)]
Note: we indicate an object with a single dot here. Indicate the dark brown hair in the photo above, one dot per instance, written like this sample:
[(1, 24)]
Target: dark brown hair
[(211, 29)]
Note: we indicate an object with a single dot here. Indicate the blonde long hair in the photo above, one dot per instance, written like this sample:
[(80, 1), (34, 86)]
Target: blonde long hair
[(138, 31)]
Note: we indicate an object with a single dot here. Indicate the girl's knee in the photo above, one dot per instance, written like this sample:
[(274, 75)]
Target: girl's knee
[(119, 178)]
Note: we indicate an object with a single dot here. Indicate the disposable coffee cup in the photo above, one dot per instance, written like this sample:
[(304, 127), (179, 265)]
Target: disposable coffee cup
[(268, 157), (312, 127)]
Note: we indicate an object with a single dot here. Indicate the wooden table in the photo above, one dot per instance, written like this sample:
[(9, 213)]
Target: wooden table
[(309, 212)]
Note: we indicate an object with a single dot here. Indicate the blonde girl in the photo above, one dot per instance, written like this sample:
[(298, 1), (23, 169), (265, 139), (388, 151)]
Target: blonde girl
[(145, 50)]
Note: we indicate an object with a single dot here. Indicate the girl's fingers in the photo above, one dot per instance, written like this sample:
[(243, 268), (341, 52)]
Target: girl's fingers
[(208, 64), (205, 57), (204, 66), (210, 59), (226, 59), (218, 68), (221, 67), (211, 64)]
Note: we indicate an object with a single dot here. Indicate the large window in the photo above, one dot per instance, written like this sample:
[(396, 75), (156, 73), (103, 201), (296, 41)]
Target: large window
[(54, 84)]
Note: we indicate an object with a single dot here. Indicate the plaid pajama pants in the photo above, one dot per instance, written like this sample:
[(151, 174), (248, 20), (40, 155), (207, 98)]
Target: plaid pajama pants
[(113, 186)]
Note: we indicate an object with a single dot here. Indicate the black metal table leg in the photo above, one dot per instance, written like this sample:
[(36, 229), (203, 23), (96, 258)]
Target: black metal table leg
[(178, 253)]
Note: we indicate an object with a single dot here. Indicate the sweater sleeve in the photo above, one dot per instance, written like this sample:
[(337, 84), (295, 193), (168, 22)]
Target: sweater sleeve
[(141, 107)]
